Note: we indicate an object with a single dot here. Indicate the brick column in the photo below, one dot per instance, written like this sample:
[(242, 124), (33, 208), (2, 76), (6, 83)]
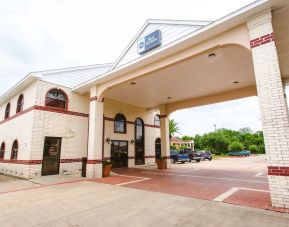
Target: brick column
[(165, 138), (95, 140), (273, 107)]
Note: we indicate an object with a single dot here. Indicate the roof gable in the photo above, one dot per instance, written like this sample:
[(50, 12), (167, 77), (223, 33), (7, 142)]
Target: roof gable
[(171, 30), (72, 77)]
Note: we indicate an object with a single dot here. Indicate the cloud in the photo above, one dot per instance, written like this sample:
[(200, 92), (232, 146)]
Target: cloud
[(233, 115)]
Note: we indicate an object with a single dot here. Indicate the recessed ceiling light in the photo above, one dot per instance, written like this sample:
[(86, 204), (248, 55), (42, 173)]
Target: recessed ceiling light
[(236, 82), (212, 55), (169, 97), (133, 83)]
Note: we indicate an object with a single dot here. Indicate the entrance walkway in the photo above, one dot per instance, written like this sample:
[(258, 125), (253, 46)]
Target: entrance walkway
[(237, 181)]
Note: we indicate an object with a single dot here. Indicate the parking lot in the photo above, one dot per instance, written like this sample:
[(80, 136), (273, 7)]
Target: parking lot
[(241, 181)]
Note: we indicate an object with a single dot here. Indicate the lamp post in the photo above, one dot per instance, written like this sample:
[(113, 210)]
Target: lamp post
[(215, 127)]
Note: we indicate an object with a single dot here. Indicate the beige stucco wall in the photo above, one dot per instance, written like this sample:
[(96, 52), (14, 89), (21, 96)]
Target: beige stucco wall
[(131, 112), (32, 127)]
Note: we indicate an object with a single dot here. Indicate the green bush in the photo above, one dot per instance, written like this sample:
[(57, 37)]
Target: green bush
[(261, 149), (236, 146), (253, 148)]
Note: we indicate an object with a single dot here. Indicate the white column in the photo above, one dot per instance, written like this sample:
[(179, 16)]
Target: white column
[(165, 138), (95, 137), (273, 107)]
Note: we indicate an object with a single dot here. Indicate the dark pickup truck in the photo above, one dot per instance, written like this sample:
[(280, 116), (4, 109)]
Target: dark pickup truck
[(177, 156), (192, 155)]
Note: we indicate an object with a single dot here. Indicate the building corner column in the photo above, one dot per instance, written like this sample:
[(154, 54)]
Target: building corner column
[(95, 136), (165, 135), (273, 107)]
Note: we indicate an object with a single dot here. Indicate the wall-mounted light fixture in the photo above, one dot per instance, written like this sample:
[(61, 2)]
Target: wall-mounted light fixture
[(108, 140), (132, 141)]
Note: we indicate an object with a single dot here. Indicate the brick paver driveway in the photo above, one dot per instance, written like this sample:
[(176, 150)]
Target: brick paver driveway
[(241, 181)]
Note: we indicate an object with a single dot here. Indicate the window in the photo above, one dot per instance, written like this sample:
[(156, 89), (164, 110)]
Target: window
[(20, 104), (56, 98), (119, 123), (157, 120), (2, 150), (14, 151), (7, 111)]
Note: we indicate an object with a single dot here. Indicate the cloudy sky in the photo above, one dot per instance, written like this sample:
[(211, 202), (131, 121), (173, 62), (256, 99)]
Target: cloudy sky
[(48, 34)]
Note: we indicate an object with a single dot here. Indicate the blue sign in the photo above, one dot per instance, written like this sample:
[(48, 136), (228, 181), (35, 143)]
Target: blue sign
[(149, 42)]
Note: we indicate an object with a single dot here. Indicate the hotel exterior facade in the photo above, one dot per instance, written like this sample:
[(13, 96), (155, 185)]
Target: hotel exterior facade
[(69, 120)]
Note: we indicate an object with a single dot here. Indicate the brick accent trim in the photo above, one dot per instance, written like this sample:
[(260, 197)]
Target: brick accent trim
[(262, 40), (131, 122), (44, 108), (131, 157), (166, 157), (95, 161), (163, 116), (37, 162), (150, 156), (94, 98), (278, 170)]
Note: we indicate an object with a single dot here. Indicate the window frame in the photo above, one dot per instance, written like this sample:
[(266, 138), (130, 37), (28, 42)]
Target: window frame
[(158, 119), (59, 90), (20, 105), (7, 111), (17, 150), (118, 120), (2, 150)]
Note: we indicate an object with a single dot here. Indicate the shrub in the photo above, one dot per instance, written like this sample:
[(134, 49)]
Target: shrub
[(253, 148), (236, 146)]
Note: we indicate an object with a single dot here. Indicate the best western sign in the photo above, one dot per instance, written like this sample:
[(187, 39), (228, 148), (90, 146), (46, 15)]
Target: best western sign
[(149, 42)]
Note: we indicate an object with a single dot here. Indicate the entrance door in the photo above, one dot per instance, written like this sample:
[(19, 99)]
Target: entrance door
[(119, 153), (158, 148), (139, 142), (51, 156)]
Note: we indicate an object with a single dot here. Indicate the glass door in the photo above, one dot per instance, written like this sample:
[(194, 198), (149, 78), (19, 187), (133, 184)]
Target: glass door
[(51, 156), (119, 154)]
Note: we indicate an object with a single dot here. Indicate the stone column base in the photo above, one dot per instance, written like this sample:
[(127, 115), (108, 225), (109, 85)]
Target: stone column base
[(94, 170)]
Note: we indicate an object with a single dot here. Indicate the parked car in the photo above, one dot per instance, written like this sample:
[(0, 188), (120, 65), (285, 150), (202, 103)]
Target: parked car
[(192, 155), (203, 155), (239, 153), (176, 156)]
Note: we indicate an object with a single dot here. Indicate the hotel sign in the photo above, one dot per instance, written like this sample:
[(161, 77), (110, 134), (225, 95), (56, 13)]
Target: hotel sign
[(149, 42)]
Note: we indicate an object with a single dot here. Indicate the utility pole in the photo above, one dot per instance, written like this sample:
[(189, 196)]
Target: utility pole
[(215, 127)]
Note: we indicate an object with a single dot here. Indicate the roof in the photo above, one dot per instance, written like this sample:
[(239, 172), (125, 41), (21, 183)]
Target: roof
[(177, 140), (171, 29), (208, 31), (66, 77)]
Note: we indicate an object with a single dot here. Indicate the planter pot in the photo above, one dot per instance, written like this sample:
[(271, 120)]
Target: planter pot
[(162, 164), (106, 170)]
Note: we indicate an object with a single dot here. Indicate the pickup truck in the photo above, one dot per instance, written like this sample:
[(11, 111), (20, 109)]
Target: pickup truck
[(192, 155), (177, 156)]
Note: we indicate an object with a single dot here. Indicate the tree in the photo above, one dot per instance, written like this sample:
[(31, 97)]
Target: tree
[(236, 146), (187, 138), (215, 141), (253, 148), (173, 128)]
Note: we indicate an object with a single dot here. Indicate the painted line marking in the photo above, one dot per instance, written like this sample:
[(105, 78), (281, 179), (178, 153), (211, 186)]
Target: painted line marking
[(226, 194), (231, 191), (259, 174), (206, 177), (135, 181), (181, 171)]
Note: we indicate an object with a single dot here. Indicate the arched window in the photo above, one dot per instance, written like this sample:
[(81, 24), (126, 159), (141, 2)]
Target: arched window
[(2, 150), (7, 111), (20, 104), (56, 98), (158, 148), (14, 151), (139, 142), (119, 123), (157, 120)]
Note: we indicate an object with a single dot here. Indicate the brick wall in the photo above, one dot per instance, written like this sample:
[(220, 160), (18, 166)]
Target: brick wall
[(273, 107)]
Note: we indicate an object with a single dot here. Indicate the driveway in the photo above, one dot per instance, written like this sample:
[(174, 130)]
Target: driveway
[(139, 198), (241, 181)]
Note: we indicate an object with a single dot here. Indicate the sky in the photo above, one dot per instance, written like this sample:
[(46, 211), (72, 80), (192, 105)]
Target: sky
[(48, 34)]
